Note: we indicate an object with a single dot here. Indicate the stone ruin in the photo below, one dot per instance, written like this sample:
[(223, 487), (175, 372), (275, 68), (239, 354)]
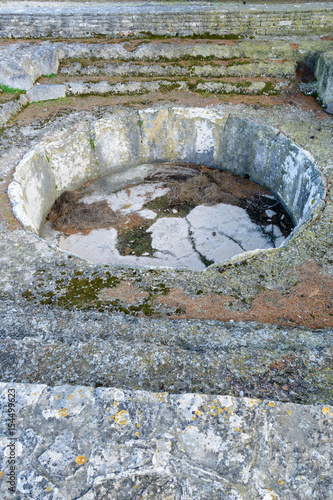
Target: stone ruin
[(124, 380)]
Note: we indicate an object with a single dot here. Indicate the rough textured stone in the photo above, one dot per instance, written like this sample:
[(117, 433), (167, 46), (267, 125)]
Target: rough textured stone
[(324, 75), (21, 64), (43, 288), (10, 109), (56, 328), (161, 446), (111, 20), (190, 135)]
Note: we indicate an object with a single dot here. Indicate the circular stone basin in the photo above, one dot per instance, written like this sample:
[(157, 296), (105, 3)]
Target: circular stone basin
[(169, 215), (125, 144)]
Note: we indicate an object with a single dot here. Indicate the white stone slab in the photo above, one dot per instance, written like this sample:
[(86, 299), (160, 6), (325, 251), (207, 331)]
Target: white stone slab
[(46, 92), (222, 231), (130, 200), (170, 237), (99, 247), (147, 214)]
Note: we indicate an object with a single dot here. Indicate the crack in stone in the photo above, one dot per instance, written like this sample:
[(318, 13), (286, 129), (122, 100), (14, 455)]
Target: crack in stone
[(233, 239), (203, 259)]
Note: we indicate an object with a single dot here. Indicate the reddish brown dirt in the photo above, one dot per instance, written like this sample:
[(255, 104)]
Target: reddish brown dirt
[(126, 292), (309, 303), (5, 97), (45, 111), (6, 214)]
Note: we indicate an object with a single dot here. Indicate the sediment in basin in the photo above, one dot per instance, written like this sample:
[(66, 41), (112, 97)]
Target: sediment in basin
[(177, 216)]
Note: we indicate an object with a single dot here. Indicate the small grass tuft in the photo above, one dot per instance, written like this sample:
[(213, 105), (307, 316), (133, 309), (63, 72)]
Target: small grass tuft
[(10, 90)]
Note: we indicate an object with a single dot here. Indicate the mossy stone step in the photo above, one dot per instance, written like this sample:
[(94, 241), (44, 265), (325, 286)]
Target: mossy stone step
[(239, 68)]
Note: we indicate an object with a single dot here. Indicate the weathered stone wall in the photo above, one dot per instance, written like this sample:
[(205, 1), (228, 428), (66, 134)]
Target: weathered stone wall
[(40, 20)]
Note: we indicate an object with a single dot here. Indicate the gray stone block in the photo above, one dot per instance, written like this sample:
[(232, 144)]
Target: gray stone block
[(46, 57), (10, 109), (46, 92), (21, 64), (81, 442), (84, 20), (329, 108), (12, 75)]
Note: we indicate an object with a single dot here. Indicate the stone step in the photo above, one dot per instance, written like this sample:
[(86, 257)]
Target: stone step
[(237, 67), (77, 88), (192, 50), (136, 353), (21, 64), (159, 19), (107, 443)]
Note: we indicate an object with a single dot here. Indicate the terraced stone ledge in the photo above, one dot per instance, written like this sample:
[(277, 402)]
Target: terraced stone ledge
[(241, 67), (77, 20)]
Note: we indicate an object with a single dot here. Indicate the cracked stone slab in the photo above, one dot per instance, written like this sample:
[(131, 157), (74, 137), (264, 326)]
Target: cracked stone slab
[(131, 199), (222, 231), (84, 443), (170, 236)]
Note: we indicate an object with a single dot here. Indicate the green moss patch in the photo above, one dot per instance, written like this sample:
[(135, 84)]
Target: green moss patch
[(135, 240)]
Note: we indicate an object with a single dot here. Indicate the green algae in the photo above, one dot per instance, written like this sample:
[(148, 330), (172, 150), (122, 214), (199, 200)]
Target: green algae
[(82, 292), (195, 36), (269, 89), (163, 88), (164, 206), (135, 241)]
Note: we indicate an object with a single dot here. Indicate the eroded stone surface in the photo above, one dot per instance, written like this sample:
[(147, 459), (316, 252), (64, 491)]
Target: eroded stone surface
[(188, 135), (46, 92), (163, 446)]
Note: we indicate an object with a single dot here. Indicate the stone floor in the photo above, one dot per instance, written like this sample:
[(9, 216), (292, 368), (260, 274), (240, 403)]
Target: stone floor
[(207, 234)]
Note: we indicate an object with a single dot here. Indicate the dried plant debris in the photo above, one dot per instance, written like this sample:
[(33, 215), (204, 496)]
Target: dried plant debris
[(69, 215), (211, 186)]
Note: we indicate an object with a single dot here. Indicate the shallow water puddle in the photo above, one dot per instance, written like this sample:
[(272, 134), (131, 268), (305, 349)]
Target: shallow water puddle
[(167, 216)]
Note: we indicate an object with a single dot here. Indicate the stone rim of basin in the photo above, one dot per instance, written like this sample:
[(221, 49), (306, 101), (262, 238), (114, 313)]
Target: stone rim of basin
[(200, 136)]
